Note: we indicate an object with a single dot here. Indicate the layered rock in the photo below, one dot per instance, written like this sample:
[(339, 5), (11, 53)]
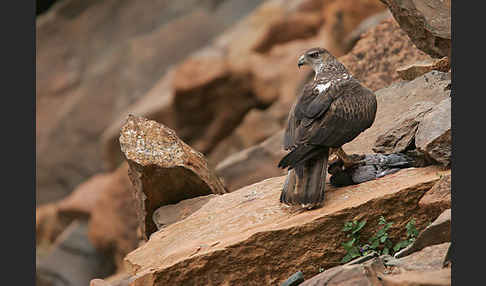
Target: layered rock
[(162, 168), (95, 58), (250, 66), (255, 240), (427, 23)]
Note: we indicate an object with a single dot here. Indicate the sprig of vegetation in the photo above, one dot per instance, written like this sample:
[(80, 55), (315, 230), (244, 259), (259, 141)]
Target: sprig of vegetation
[(378, 242)]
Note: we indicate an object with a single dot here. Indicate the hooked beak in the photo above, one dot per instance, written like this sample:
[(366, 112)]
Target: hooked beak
[(301, 61)]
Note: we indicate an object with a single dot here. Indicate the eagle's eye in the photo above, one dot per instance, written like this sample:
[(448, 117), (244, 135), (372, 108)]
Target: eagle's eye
[(314, 54)]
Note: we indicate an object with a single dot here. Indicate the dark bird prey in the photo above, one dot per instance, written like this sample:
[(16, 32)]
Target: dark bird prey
[(332, 110)]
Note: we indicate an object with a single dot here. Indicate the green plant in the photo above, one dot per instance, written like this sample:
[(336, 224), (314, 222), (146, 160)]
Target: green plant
[(412, 233), (378, 242), (352, 246)]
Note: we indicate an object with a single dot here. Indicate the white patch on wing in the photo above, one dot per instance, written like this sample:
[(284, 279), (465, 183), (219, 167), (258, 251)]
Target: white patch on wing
[(322, 87)]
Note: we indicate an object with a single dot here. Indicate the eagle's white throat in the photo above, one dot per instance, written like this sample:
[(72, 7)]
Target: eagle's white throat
[(323, 87)]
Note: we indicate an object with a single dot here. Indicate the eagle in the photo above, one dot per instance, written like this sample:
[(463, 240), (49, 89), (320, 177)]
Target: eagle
[(332, 110)]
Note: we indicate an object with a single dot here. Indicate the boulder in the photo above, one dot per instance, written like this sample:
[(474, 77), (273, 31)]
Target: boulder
[(427, 23), (247, 236), (162, 168), (379, 53), (396, 100), (95, 58), (434, 133), (72, 260), (401, 136), (417, 69)]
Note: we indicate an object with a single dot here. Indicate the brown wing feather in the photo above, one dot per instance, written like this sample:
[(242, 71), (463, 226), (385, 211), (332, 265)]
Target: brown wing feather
[(332, 118)]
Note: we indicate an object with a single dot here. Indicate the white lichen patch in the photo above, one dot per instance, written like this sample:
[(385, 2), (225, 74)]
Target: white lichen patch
[(148, 142)]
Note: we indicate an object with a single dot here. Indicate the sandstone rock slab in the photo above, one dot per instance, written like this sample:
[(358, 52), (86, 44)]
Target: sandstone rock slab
[(162, 168), (255, 240)]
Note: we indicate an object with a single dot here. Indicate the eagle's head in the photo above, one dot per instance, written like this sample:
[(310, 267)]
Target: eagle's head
[(315, 57)]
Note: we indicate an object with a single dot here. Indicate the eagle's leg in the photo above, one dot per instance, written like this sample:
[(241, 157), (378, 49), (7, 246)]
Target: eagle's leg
[(349, 161)]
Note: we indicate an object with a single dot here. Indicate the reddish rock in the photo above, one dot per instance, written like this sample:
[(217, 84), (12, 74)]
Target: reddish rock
[(427, 23), (113, 226), (162, 168), (439, 194), (247, 233), (48, 226), (379, 53), (81, 203), (417, 69)]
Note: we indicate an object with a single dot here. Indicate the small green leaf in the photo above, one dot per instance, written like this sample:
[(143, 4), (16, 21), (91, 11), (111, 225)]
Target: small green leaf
[(359, 226), (346, 258), (375, 244), (383, 238), (354, 252), (381, 220), (400, 245)]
